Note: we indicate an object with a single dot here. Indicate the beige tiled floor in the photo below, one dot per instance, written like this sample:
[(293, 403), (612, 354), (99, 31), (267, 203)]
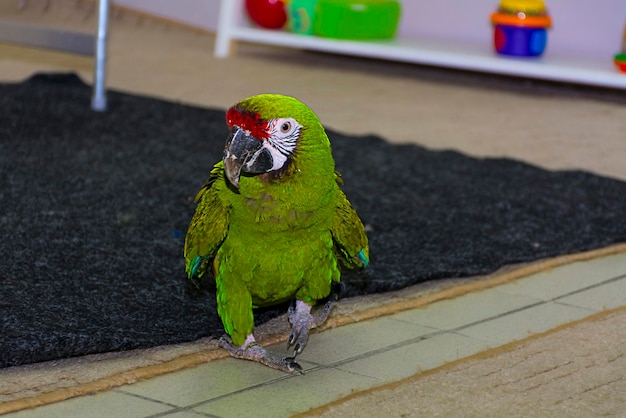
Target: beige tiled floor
[(363, 355)]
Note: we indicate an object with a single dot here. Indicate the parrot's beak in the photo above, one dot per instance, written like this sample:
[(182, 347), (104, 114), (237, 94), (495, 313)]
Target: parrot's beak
[(244, 152)]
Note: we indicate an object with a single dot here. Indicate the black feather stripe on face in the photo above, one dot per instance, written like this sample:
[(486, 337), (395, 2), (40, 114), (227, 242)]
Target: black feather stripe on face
[(286, 145)]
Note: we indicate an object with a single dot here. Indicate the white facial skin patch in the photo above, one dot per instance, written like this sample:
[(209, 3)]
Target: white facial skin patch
[(284, 134)]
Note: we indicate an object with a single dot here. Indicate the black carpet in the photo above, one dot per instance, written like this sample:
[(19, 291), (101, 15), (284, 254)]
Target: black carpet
[(94, 208)]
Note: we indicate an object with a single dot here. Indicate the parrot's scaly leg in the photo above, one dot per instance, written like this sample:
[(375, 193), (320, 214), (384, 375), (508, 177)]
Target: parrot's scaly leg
[(251, 350), (302, 321)]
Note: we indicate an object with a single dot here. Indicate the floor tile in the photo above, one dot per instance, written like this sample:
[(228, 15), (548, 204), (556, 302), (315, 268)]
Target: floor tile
[(521, 324), (467, 309), (287, 397), (408, 360), (105, 404), (553, 283), (608, 296), (207, 381), (182, 414), (338, 344)]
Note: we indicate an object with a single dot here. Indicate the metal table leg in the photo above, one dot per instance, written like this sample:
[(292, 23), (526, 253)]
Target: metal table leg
[(99, 100)]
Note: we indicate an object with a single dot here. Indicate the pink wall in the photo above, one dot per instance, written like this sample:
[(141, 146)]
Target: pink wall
[(199, 13)]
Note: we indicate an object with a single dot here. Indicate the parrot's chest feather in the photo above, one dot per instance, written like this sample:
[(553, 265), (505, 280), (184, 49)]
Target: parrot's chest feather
[(267, 209), (281, 206)]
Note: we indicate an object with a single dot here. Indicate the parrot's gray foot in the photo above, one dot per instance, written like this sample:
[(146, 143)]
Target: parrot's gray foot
[(302, 321), (250, 350)]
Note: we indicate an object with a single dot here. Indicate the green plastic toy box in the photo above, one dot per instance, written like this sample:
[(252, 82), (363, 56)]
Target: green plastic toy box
[(357, 19)]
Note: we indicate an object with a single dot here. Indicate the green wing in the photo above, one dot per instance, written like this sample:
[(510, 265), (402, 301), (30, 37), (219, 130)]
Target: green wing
[(209, 225), (348, 233)]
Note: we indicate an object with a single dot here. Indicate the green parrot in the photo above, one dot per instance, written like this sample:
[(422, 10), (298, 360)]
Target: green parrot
[(272, 224)]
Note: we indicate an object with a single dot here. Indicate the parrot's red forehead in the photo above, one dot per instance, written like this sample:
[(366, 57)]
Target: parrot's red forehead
[(248, 121)]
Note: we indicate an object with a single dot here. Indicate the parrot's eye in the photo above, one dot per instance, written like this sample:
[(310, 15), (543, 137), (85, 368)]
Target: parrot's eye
[(284, 127)]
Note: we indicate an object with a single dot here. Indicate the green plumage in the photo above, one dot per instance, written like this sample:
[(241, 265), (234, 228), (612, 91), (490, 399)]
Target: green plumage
[(281, 234)]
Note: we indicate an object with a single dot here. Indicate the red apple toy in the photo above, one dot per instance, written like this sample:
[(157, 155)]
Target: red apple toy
[(269, 14)]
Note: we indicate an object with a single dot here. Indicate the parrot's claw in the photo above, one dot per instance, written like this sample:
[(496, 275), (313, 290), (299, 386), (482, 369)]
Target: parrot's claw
[(254, 352), (302, 321)]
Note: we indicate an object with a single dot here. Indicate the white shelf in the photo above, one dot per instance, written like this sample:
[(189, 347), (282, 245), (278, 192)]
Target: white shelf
[(233, 27)]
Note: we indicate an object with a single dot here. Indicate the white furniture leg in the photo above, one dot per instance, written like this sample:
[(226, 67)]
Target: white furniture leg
[(226, 24)]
